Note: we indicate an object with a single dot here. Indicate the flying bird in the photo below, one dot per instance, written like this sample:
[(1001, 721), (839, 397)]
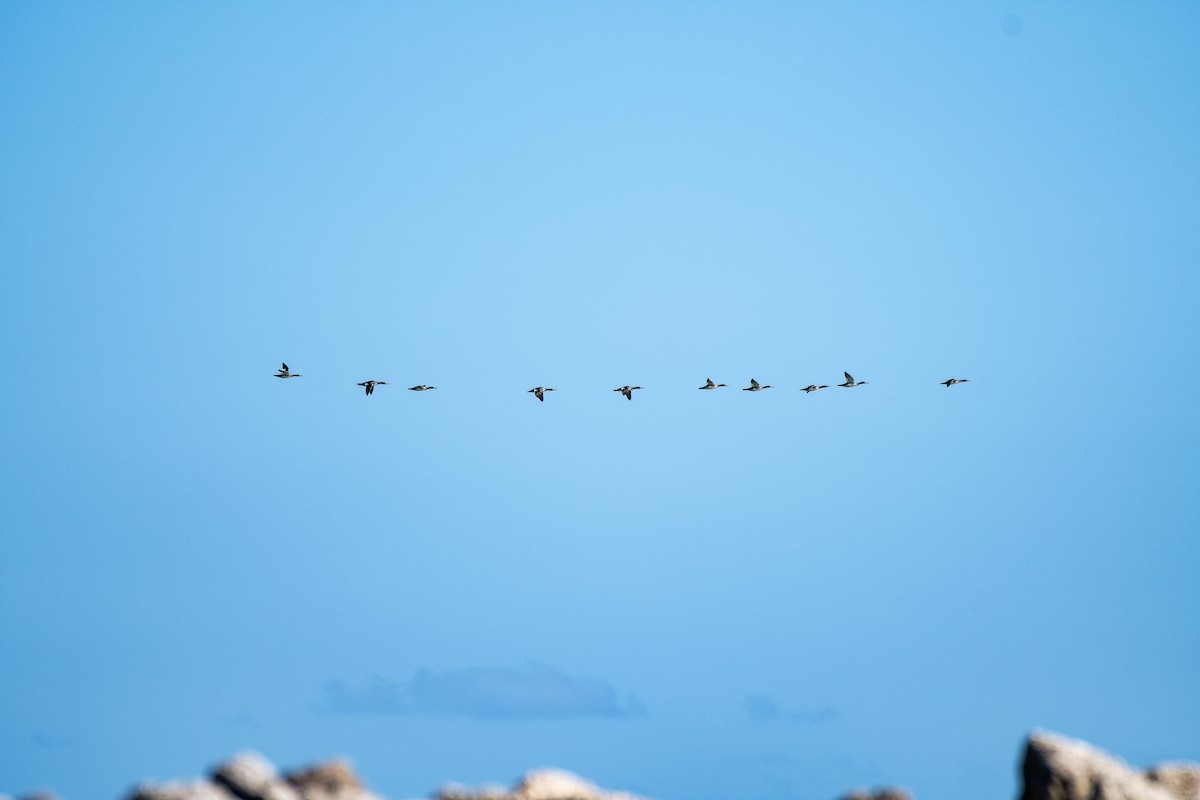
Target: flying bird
[(283, 373), (540, 392), (953, 381), (755, 386), (812, 387), (627, 391), (850, 382), (421, 388), (370, 386), (711, 385)]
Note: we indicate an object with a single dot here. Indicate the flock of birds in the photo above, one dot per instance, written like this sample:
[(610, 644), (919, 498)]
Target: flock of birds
[(540, 391)]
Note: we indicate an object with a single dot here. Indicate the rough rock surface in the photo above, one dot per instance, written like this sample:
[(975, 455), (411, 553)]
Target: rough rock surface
[(1058, 768), (542, 784), (1181, 779), (331, 780), (180, 790), (249, 776)]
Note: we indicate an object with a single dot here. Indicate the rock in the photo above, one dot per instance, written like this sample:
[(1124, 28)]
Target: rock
[(249, 776), (542, 784), (1058, 768), (180, 790), (554, 784), (330, 780), (1181, 779), (455, 791), (887, 793)]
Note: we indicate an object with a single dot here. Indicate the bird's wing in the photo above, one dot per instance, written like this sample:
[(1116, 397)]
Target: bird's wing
[(849, 377)]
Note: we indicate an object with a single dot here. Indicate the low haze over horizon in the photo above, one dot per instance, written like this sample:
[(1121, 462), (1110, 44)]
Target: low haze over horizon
[(693, 594)]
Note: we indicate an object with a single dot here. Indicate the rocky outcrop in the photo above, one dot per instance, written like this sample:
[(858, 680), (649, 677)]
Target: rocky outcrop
[(1054, 768), (888, 793), (1181, 779), (542, 784), (1058, 768), (180, 790), (249, 776), (331, 780)]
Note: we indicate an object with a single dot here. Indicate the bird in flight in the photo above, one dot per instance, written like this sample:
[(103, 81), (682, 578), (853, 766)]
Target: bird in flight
[(953, 381), (540, 392), (755, 386), (850, 382), (283, 373), (421, 388), (370, 386), (711, 385), (812, 387), (627, 391)]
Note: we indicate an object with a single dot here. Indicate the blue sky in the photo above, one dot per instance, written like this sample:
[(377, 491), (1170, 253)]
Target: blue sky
[(693, 594)]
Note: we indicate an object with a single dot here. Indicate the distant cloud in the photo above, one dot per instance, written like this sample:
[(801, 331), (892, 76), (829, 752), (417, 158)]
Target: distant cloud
[(46, 741), (535, 692), (1012, 25), (761, 708)]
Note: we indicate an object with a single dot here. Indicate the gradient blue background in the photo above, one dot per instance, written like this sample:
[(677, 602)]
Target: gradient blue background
[(773, 595)]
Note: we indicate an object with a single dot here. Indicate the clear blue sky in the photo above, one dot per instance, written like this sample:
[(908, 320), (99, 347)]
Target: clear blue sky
[(697, 595)]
